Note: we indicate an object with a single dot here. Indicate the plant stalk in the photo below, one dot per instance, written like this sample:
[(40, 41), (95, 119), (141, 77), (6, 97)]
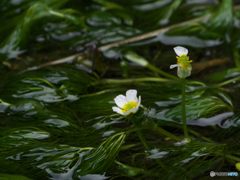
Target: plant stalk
[(236, 58), (184, 110), (147, 145)]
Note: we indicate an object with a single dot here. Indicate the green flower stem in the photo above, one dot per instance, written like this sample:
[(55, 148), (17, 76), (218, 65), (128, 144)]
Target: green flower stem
[(184, 110), (155, 69), (147, 145), (143, 140), (141, 137), (146, 109), (236, 58)]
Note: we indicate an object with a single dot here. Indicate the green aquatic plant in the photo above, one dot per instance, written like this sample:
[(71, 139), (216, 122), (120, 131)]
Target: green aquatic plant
[(101, 135), (57, 120)]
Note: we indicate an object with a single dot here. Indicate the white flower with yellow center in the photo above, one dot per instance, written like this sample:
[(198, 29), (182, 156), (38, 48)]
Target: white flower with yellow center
[(183, 63), (127, 104)]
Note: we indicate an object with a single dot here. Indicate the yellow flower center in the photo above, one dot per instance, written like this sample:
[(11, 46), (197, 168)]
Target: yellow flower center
[(183, 60), (129, 106)]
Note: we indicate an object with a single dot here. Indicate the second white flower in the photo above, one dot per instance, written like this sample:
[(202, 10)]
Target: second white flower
[(127, 104)]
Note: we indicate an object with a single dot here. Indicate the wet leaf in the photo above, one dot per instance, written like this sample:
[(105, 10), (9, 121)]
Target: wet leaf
[(13, 177), (223, 17), (220, 76), (130, 55), (128, 170)]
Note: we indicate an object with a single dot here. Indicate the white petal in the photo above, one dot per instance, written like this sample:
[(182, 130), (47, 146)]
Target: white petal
[(131, 110), (131, 95), (179, 50), (175, 65), (117, 110), (139, 101), (120, 100)]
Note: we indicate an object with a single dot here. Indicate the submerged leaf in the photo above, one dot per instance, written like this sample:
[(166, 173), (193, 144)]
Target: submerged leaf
[(219, 76), (128, 170), (64, 161), (132, 56), (198, 110), (222, 19), (13, 177)]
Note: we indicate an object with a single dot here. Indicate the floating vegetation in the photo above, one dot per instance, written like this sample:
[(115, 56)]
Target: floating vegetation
[(66, 65)]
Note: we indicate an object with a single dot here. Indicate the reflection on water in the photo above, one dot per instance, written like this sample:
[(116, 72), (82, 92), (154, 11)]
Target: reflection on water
[(188, 41), (155, 154), (93, 177)]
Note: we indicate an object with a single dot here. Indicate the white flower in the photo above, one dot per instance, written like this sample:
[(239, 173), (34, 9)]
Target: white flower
[(127, 104), (183, 63)]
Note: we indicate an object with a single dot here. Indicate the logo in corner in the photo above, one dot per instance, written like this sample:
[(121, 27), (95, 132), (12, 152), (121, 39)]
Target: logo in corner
[(212, 174)]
